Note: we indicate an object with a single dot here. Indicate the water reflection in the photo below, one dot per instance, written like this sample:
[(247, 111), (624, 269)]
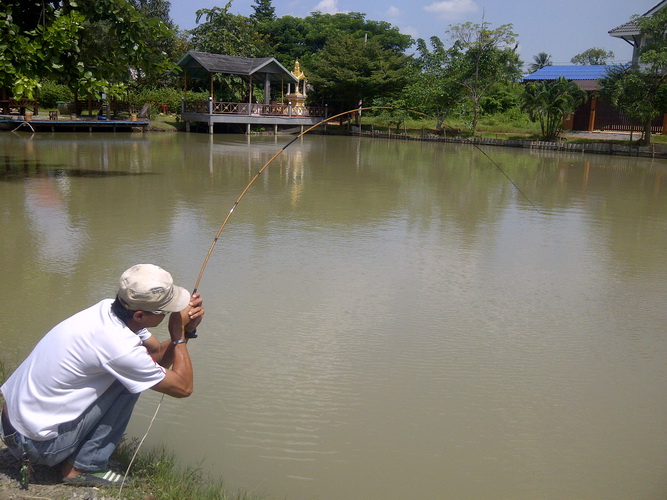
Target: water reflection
[(385, 319)]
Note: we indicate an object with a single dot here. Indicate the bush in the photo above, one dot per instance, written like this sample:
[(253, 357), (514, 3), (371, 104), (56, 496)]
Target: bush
[(169, 96), (50, 93)]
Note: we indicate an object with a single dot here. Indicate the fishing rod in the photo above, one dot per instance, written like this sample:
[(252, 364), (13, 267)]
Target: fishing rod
[(279, 152)]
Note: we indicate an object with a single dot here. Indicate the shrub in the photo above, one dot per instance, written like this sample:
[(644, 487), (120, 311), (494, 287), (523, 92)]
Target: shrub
[(169, 96), (50, 93)]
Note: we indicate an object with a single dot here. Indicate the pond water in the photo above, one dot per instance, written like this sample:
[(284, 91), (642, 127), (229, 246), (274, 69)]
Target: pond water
[(385, 319)]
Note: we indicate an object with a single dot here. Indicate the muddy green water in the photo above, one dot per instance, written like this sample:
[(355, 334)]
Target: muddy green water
[(385, 320)]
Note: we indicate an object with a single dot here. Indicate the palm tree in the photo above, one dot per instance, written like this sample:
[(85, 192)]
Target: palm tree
[(541, 60), (549, 101)]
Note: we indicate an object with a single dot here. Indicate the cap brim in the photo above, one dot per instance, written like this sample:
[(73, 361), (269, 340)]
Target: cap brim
[(180, 300)]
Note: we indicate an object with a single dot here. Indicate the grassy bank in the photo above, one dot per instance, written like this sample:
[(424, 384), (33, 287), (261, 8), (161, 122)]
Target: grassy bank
[(154, 474)]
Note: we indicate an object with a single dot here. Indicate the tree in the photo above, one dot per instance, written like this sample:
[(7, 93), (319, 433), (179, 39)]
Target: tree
[(540, 61), (641, 92), (356, 70), (435, 88), (225, 33), (91, 45), (293, 38), (482, 57), (548, 101), (593, 56), (264, 11)]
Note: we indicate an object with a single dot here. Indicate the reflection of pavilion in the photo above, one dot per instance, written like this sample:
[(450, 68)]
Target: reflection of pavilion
[(276, 108)]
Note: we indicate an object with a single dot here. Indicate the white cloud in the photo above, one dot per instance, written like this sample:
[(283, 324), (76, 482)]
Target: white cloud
[(410, 30), (452, 8), (393, 12), (327, 7)]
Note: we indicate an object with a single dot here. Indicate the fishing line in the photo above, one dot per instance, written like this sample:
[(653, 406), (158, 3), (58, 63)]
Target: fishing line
[(278, 153), (261, 170)]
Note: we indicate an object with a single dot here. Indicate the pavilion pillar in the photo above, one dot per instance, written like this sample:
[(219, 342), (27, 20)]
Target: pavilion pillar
[(250, 100), (267, 89), (664, 124), (591, 116), (185, 83)]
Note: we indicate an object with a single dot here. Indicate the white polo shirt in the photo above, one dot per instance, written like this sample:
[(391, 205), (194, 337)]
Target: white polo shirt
[(72, 366)]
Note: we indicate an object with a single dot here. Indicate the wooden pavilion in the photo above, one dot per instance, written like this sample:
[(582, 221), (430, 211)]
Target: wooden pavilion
[(280, 105)]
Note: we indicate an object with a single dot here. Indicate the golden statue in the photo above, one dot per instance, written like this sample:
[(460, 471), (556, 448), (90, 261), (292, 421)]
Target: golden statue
[(298, 74)]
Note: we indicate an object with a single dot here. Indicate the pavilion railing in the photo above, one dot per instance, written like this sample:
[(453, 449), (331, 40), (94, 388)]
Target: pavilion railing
[(250, 109)]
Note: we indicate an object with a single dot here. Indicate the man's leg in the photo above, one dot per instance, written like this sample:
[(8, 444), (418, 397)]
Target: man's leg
[(87, 442), (97, 446)]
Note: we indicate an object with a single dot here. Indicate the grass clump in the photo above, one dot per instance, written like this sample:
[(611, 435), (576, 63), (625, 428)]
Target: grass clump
[(156, 474)]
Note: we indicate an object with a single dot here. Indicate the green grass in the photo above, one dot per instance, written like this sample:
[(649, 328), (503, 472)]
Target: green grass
[(166, 123), (156, 474)]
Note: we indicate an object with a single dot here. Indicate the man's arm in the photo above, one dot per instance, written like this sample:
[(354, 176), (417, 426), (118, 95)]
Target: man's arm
[(178, 381)]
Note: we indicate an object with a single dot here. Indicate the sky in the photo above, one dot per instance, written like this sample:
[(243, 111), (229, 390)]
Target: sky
[(561, 28)]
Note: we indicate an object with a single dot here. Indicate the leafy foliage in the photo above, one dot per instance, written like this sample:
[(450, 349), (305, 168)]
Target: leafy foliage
[(435, 88), (641, 92), (264, 11), (593, 56), (548, 101), (540, 61), (293, 38), (157, 96), (355, 70), (50, 93), (483, 57), (68, 41), (225, 33)]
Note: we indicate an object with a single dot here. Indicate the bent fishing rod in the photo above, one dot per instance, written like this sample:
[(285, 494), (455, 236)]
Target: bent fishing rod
[(279, 152), (245, 190)]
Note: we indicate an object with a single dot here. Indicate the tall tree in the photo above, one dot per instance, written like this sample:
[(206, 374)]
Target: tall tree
[(264, 11), (593, 56), (293, 38), (540, 61), (225, 33), (173, 44), (356, 70), (435, 88), (483, 57)]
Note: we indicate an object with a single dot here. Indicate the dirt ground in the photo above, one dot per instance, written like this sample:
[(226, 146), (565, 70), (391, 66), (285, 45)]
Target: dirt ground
[(44, 483), (605, 136)]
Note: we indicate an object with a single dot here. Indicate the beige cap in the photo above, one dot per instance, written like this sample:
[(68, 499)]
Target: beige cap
[(147, 287)]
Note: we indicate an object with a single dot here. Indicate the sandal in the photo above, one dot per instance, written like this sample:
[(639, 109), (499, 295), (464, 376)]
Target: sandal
[(106, 478)]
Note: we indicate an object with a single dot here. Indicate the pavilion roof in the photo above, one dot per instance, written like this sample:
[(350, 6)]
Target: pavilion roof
[(202, 64)]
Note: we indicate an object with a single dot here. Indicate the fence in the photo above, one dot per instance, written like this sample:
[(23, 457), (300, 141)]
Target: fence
[(608, 148)]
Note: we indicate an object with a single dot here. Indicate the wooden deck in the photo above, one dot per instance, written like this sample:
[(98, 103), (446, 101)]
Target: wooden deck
[(248, 114), (37, 124)]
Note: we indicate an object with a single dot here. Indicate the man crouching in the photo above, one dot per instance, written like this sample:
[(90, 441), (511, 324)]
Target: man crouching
[(71, 399)]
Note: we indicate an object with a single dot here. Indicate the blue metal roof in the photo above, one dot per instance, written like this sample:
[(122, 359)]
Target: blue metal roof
[(569, 73)]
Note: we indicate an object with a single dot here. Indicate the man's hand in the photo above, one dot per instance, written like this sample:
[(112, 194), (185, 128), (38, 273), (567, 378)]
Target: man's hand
[(187, 319), (195, 312)]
